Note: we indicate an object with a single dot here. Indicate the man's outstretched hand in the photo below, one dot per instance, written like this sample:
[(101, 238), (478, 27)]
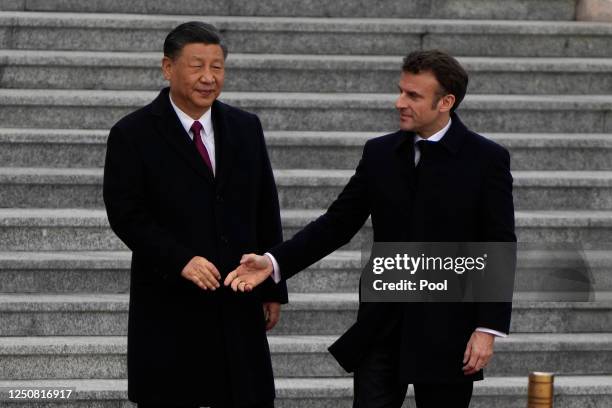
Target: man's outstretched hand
[(253, 270)]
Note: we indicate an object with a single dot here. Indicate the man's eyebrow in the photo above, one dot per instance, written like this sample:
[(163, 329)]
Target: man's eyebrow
[(409, 92), (197, 58)]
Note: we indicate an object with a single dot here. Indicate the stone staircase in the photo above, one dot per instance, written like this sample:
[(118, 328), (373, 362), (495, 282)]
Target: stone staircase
[(322, 77)]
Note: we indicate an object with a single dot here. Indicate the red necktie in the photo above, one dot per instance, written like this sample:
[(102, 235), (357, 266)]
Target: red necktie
[(196, 128)]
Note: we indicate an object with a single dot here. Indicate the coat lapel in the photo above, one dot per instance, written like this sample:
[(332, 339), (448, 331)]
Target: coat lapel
[(454, 137), (403, 159), (169, 126), (225, 143), (404, 181)]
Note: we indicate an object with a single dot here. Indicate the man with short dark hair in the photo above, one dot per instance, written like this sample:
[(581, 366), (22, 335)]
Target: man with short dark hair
[(432, 181), (175, 178)]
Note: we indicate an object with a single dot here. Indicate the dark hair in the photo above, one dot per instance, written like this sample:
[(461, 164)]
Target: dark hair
[(450, 74), (192, 32)]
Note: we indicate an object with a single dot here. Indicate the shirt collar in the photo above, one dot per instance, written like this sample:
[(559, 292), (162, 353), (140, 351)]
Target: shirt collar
[(436, 137), (187, 121)]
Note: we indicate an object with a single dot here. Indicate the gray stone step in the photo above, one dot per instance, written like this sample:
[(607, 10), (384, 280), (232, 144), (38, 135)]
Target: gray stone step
[(22, 147), (31, 187), (84, 109), (306, 314), (300, 73), (556, 151), (518, 10), (23, 187), (108, 271), (88, 230), (77, 148), (30, 358), (494, 392), (278, 35), (52, 272)]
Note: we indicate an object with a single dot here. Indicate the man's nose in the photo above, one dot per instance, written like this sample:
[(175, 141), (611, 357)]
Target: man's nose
[(207, 77), (400, 103)]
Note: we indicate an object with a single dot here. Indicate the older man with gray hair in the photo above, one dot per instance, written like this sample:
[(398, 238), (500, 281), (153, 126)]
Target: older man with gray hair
[(175, 178)]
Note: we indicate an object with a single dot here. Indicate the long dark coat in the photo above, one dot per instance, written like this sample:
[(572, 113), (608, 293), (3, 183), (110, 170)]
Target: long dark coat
[(463, 194), (187, 345)]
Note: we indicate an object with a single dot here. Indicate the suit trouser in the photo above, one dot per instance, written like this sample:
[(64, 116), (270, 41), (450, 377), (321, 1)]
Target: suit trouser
[(377, 385)]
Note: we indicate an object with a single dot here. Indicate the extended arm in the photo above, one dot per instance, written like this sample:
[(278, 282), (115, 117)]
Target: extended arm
[(330, 231)]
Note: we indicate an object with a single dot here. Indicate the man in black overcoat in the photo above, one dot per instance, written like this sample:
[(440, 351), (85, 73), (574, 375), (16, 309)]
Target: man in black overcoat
[(432, 181), (176, 176)]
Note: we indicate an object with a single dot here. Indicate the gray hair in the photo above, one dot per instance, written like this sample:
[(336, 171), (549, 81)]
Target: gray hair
[(192, 32)]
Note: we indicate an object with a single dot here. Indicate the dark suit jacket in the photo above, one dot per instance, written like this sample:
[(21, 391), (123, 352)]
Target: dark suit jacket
[(463, 194), (185, 345)]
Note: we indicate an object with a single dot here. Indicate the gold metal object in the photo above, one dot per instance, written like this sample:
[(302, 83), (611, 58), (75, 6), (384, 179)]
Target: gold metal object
[(540, 393)]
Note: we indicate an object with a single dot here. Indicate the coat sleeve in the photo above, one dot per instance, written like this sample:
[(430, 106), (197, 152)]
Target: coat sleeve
[(127, 211), (330, 231), (497, 226), (269, 227)]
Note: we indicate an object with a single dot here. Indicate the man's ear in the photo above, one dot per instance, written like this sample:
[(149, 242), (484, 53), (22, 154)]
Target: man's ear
[(166, 66), (446, 103)]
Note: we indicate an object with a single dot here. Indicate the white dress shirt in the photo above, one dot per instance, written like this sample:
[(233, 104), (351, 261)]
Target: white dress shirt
[(436, 137), (207, 134)]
